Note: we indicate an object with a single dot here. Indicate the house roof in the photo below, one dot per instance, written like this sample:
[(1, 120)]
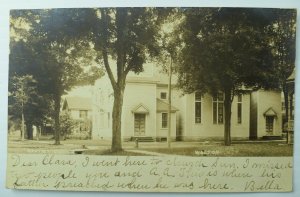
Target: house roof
[(138, 79), (270, 112), (162, 106), (81, 103), (152, 74)]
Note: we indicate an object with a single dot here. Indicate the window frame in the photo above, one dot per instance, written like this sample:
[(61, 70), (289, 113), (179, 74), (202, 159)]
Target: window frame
[(85, 114), (197, 102), (162, 125), (163, 93), (269, 127), (216, 101), (239, 104)]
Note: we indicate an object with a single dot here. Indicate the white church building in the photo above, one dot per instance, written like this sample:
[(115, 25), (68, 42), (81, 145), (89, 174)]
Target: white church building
[(255, 115)]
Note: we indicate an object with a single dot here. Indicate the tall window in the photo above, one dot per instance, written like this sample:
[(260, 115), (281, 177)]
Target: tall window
[(197, 107), (83, 114), (218, 108), (239, 109), (164, 120)]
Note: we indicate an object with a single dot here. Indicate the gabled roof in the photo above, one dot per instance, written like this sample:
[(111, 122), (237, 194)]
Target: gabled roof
[(270, 112), (80, 103), (162, 106), (140, 109)]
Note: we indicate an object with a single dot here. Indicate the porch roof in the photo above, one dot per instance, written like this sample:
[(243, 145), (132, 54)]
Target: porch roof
[(140, 109), (162, 106)]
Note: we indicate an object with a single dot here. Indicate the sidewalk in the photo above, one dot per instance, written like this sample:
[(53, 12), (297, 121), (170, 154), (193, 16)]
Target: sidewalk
[(150, 153)]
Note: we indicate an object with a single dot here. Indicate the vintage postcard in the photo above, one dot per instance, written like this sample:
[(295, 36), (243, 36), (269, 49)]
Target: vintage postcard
[(151, 99)]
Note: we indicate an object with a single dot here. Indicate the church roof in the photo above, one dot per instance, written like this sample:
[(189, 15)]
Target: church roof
[(162, 106)]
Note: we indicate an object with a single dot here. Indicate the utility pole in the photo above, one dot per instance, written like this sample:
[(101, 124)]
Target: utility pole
[(169, 100), (22, 105)]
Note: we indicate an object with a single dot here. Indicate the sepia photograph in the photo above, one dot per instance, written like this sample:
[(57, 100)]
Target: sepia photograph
[(153, 94)]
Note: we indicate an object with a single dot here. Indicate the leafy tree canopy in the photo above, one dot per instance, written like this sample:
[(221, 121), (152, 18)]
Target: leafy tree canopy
[(226, 48)]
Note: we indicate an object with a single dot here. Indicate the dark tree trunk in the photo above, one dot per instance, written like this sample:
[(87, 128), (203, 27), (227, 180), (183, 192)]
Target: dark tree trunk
[(56, 119), (121, 22), (116, 120), (23, 124), (29, 130), (38, 132), (227, 126), (64, 137)]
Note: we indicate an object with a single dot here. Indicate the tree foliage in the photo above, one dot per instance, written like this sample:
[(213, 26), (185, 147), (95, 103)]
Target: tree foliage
[(50, 51), (225, 49), (283, 43), (128, 36), (67, 124), (22, 97), (23, 64)]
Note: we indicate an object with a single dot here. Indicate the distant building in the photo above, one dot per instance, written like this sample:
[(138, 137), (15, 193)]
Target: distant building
[(289, 126), (79, 107), (193, 116), (291, 90), (79, 110)]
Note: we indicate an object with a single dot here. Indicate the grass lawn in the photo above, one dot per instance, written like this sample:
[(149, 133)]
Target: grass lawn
[(102, 147), (239, 149), (67, 147)]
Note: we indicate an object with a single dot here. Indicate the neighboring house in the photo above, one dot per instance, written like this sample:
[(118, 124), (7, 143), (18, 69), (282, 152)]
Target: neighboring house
[(193, 116), (291, 90), (289, 127), (291, 97), (80, 111)]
